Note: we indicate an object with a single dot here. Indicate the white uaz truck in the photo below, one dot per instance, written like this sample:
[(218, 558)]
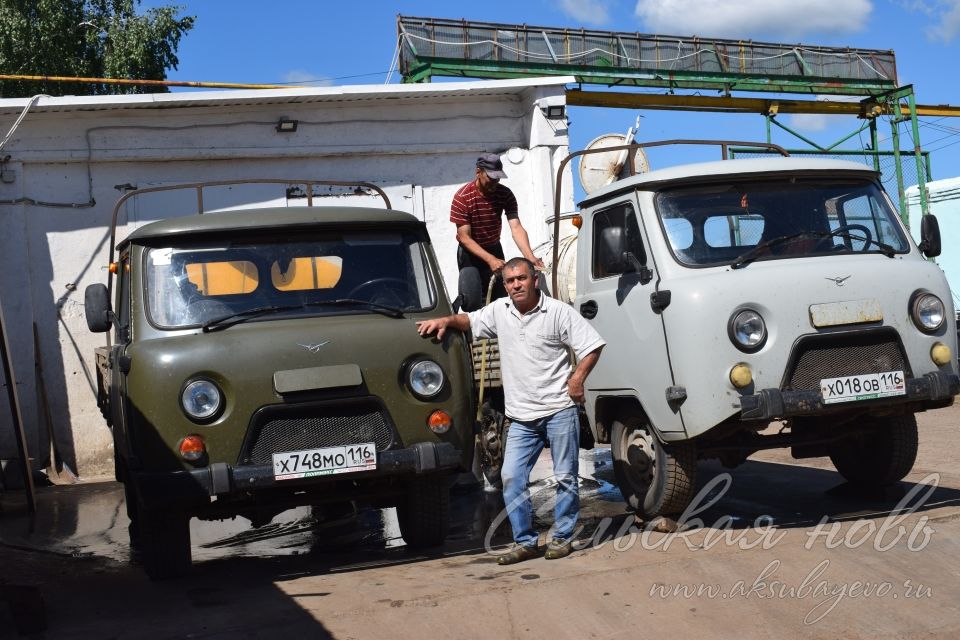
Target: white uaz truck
[(737, 293)]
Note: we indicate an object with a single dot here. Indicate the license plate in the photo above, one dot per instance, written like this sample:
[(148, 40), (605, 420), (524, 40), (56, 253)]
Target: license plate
[(324, 462), (865, 387)]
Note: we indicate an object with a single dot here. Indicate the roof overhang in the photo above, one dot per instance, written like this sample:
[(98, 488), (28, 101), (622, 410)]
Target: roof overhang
[(292, 96)]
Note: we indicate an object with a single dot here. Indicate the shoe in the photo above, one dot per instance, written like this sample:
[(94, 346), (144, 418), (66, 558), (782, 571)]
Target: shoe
[(557, 549), (519, 553)]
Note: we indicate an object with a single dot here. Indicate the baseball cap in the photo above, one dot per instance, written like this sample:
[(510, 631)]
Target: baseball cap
[(491, 165)]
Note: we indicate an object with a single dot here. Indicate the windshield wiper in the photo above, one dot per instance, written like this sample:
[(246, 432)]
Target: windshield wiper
[(746, 258), (885, 248), (242, 316), (224, 322), (751, 255), (393, 312)]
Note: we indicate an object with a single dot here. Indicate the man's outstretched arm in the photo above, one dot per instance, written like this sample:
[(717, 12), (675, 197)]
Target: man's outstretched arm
[(522, 241), (459, 321)]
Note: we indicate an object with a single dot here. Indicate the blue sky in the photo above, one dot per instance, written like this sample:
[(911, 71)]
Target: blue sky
[(333, 43)]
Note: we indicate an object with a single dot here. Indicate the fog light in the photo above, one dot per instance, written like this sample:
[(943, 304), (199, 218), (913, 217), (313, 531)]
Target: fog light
[(439, 421), (741, 376), (192, 448), (940, 354)]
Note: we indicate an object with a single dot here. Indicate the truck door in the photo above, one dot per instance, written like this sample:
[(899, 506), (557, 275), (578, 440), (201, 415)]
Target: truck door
[(617, 302)]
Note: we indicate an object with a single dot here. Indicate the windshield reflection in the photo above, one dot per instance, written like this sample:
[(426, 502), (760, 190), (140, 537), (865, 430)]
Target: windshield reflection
[(717, 224), (193, 285)]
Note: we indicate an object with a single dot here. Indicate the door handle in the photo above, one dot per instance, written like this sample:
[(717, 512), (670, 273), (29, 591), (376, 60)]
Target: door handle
[(588, 309)]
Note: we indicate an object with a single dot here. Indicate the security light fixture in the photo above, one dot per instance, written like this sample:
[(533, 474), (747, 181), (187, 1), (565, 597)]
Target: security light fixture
[(554, 111), (286, 125)]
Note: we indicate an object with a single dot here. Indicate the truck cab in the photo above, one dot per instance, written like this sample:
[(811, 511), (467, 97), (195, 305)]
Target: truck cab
[(739, 293), (268, 358)]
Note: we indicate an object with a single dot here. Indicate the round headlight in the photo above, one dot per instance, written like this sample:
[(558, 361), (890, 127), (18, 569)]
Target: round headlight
[(927, 311), (201, 400), (425, 378), (748, 330)]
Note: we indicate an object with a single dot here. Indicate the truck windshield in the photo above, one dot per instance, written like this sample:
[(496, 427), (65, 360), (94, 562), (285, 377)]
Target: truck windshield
[(719, 224), (191, 285)]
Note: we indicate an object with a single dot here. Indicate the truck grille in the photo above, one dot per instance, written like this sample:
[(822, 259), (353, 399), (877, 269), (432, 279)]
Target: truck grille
[(836, 355), (276, 430)]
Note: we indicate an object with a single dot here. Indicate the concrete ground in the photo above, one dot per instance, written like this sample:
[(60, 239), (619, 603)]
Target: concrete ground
[(821, 562)]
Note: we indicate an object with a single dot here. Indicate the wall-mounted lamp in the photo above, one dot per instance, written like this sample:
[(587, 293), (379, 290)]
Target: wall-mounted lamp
[(554, 111), (286, 125)]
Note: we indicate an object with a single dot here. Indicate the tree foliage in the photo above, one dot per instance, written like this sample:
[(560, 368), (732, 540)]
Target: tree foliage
[(90, 39)]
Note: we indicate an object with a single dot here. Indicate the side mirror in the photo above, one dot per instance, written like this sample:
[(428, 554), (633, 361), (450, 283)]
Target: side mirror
[(613, 251), (96, 304), (930, 236)]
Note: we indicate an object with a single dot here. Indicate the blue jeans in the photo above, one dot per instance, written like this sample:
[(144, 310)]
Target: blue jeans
[(525, 441)]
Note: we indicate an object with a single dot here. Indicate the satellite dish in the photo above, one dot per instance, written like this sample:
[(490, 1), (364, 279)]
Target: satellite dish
[(600, 169)]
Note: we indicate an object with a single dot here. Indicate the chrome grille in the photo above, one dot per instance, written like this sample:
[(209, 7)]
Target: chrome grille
[(329, 426), (821, 357)]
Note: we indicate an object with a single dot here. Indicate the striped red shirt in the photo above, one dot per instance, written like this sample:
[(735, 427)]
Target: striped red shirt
[(470, 206)]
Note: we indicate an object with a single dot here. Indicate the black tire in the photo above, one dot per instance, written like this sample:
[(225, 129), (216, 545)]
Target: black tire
[(655, 479), (471, 289), (882, 457), (424, 513), (164, 542)]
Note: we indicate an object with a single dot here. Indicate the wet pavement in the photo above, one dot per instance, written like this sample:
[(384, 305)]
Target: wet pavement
[(353, 577), (88, 520)]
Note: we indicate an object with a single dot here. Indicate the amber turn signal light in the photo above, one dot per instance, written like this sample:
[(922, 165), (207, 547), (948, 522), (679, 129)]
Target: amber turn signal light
[(439, 421), (192, 448)]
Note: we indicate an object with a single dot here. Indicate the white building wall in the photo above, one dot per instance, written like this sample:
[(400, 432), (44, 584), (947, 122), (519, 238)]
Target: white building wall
[(419, 143)]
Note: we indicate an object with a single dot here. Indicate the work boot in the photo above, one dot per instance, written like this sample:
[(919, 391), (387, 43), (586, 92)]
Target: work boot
[(558, 549), (519, 553)]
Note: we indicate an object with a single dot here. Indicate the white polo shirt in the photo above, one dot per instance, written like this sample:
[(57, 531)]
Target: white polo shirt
[(534, 362)]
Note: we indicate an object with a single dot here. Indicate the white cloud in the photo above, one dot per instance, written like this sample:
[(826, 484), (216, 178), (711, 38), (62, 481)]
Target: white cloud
[(296, 76), (947, 21), (808, 121), (753, 18), (595, 13)]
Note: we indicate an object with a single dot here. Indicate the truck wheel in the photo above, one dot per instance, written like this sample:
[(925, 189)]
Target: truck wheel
[(164, 542), (424, 513), (655, 479), (882, 457)]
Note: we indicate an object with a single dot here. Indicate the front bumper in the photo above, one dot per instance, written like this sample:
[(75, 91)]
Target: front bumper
[(934, 389), (221, 479)]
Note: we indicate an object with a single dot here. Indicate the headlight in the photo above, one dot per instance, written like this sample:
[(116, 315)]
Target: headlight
[(425, 378), (747, 330), (201, 400), (927, 311)]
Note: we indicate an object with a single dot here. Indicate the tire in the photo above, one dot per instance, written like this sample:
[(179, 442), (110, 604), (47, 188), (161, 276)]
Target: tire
[(164, 542), (424, 514), (655, 479), (882, 457)]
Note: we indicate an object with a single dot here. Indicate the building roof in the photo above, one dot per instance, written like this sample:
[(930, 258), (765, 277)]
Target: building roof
[(294, 95)]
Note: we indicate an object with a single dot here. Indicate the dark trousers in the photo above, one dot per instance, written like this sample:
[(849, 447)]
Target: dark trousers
[(467, 259)]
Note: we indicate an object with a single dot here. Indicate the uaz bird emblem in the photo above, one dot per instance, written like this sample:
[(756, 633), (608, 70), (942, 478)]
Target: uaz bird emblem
[(838, 281), (313, 348)]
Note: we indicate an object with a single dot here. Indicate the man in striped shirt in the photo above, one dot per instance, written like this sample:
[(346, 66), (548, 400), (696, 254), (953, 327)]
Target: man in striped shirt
[(476, 210)]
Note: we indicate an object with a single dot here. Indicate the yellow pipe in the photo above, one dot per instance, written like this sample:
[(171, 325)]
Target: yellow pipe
[(738, 105), (162, 83)]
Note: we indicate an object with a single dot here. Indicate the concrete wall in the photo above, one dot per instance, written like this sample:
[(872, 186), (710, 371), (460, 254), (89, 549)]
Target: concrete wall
[(420, 146)]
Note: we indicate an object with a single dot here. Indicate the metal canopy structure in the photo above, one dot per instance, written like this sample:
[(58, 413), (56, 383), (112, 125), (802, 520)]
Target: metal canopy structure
[(431, 47), (460, 48)]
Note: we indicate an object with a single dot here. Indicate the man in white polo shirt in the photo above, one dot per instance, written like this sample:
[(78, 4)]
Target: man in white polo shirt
[(541, 391)]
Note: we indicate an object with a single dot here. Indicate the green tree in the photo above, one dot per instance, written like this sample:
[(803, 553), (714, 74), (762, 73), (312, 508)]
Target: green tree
[(87, 38)]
